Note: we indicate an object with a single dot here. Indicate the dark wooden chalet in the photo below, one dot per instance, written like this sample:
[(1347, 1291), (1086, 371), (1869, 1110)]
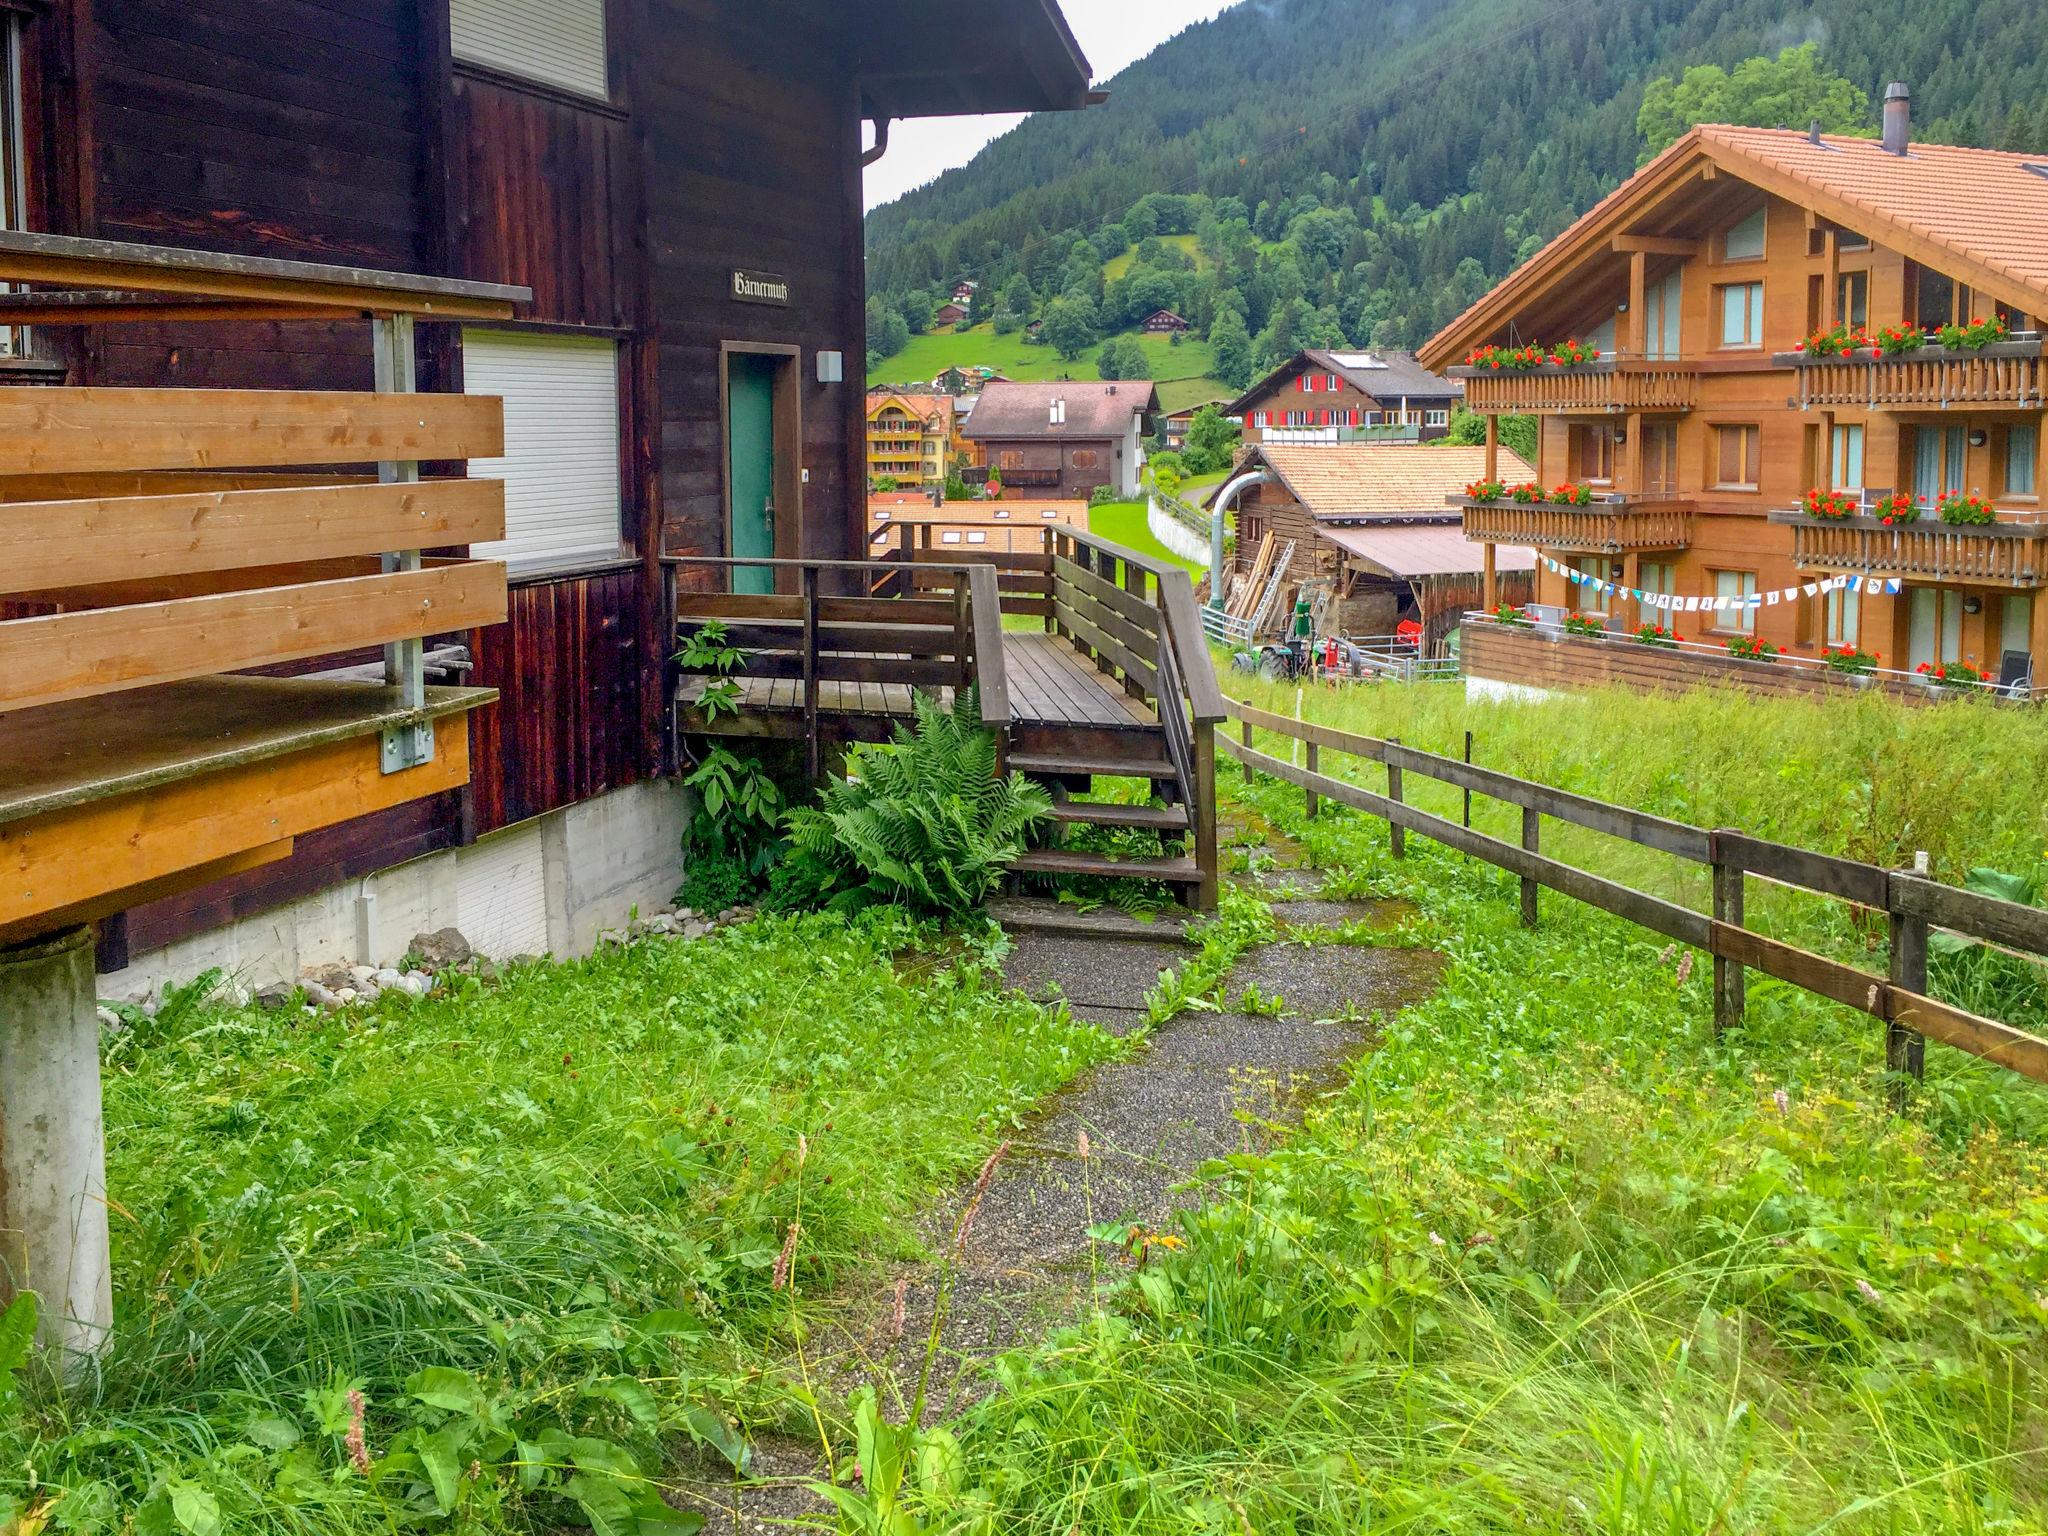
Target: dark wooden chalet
[(679, 184)]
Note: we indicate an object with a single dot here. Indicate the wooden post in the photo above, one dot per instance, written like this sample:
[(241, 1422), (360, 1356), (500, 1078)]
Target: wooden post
[(1204, 810), (813, 748), (1315, 801), (1639, 302), (1468, 788), (1532, 840), (395, 370), (1134, 583), (1492, 461), (53, 1178), (1247, 747), (1489, 582), (1397, 835), (1729, 988), (1052, 619), (1905, 1050), (1831, 267), (1632, 578)]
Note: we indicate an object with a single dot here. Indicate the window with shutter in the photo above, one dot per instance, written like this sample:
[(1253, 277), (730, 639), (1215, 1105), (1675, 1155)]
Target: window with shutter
[(561, 463), (551, 42)]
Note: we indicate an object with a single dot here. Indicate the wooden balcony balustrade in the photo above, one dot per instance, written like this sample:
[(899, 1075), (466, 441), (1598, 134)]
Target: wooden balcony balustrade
[(1039, 478), (1989, 554), (156, 542), (1609, 385), (1601, 528), (2006, 374)]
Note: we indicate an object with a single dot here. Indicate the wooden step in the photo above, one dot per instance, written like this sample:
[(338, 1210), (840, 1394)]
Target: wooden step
[(1057, 861), (1078, 763), (1150, 818)]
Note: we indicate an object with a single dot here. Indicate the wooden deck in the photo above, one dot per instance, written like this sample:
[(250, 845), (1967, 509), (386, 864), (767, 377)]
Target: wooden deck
[(1050, 684)]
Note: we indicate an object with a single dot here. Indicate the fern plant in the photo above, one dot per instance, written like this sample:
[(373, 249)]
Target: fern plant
[(924, 822)]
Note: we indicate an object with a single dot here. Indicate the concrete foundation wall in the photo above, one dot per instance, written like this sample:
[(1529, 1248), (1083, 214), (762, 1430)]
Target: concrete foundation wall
[(588, 869)]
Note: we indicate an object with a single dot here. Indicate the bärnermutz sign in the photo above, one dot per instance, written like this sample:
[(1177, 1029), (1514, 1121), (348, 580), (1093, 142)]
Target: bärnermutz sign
[(759, 287)]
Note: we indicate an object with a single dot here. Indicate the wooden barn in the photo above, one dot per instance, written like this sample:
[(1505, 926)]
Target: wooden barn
[(678, 183)]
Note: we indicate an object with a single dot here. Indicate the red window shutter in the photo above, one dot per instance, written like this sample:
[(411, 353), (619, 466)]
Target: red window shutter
[(1301, 384)]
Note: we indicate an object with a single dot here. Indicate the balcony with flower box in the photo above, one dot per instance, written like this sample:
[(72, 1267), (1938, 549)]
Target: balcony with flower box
[(1964, 541), (1902, 368), (1574, 380), (1607, 523)]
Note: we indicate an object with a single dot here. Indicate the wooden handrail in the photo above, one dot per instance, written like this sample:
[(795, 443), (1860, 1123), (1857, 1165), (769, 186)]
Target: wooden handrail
[(991, 674), (1913, 903), (1190, 648)]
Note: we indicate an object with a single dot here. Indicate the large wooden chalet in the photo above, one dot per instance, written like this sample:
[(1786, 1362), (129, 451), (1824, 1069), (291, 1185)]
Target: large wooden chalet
[(678, 183), (1335, 396), (1767, 307)]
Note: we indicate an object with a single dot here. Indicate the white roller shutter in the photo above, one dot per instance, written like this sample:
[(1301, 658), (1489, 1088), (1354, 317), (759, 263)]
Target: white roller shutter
[(554, 42), (561, 464), (501, 902)]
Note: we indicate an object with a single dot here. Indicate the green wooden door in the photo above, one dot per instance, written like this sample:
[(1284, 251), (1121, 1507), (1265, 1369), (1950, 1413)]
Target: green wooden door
[(750, 468)]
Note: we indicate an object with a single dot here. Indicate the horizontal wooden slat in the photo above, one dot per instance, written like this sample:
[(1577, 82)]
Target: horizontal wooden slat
[(55, 863), (976, 554), (1984, 917), (1137, 639), (48, 546), (729, 607), (889, 639), (1113, 650), (168, 482), (915, 672), (62, 431), (1129, 604), (76, 655), (2024, 1053), (1827, 978), (1831, 876)]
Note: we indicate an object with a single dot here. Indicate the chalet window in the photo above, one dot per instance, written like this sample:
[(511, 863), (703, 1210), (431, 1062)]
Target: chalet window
[(2022, 449), (1934, 298), (1934, 625), (1660, 457), (1660, 321), (2016, 623), (1842, 619), (1436, 418), (1591, 451), (560, 43), (561, 465), (1084, 458), (1737, 585), (1010, 458), (1737, 458), (1742, 314), (1659, 576), (1846, 461), (1744, 241), (1939, 466), (1852, 298)]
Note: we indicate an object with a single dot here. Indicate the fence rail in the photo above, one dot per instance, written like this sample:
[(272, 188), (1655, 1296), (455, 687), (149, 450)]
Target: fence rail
[(1913, 904)]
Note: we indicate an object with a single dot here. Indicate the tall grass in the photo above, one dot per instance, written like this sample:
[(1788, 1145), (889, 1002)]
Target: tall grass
[(559, 1186), (1556, 1259)]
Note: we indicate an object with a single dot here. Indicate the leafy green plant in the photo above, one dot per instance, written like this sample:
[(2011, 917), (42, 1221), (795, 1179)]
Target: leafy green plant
[(709, 650), (924, 821), (17, 1335)]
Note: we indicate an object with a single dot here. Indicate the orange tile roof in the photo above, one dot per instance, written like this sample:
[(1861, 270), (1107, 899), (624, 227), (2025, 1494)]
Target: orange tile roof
[(1982, 207), (1982, 204), (1350, 480)]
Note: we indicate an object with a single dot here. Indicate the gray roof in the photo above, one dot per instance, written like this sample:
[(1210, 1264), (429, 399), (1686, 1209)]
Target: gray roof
[(1093, 410), (1388, 376)]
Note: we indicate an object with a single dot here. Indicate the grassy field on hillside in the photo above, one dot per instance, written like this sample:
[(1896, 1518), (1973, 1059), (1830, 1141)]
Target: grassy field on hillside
[(930, 355), (1117, 266), (1124, 522)]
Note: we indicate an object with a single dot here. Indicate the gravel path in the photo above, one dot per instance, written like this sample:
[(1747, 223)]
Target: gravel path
[(1203, 1086)]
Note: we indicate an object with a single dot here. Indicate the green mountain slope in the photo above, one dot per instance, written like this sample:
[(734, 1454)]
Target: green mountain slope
[(1440, 142)]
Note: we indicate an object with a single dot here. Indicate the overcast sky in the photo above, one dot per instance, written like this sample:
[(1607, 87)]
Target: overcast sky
[(1113, 33)]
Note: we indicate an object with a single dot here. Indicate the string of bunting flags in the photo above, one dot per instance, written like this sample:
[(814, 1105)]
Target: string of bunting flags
[(1672, 603)]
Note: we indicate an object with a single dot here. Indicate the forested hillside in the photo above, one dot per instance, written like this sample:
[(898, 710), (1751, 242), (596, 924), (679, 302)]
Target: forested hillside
[(1358, 172)]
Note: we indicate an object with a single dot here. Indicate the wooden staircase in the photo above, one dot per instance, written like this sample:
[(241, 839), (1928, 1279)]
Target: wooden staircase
[(1070, 770)]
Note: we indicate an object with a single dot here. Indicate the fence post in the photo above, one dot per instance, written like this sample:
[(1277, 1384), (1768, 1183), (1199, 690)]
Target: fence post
[(1905, 1050), (813, 747), (1315, 801), (1247, 734), (1532, 840), (1468, 788), (1397, 835), (1729, 988), (1052, 616)]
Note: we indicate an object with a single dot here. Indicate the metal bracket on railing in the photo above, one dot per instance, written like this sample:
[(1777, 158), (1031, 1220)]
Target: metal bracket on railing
[(410, 745)]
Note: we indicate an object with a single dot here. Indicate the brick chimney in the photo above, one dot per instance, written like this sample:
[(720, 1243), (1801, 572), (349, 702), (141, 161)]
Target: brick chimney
[(1898, 118)]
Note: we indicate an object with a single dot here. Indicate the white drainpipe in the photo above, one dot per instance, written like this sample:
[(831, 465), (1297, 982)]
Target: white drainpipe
[(1225, 498)]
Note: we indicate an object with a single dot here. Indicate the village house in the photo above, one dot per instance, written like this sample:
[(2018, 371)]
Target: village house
[(912, 439), (1164, 322), (1776, 432), (951, 312), (1365, 527), (1331, 397), (679, 186), (1060, 441), (1174, 425)]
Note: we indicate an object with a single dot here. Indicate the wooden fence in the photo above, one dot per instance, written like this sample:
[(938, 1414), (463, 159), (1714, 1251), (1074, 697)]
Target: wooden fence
[(1913, 904)]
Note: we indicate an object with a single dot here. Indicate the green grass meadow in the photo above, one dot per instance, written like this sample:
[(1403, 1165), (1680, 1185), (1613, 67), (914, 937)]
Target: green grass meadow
[(1185, 369)]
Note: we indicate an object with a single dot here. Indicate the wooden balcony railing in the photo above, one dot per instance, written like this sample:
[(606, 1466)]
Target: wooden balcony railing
[(158, 545), (1990, 554), (1603, 528), (1038, 478), (1610, 385), (2004, 374)]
